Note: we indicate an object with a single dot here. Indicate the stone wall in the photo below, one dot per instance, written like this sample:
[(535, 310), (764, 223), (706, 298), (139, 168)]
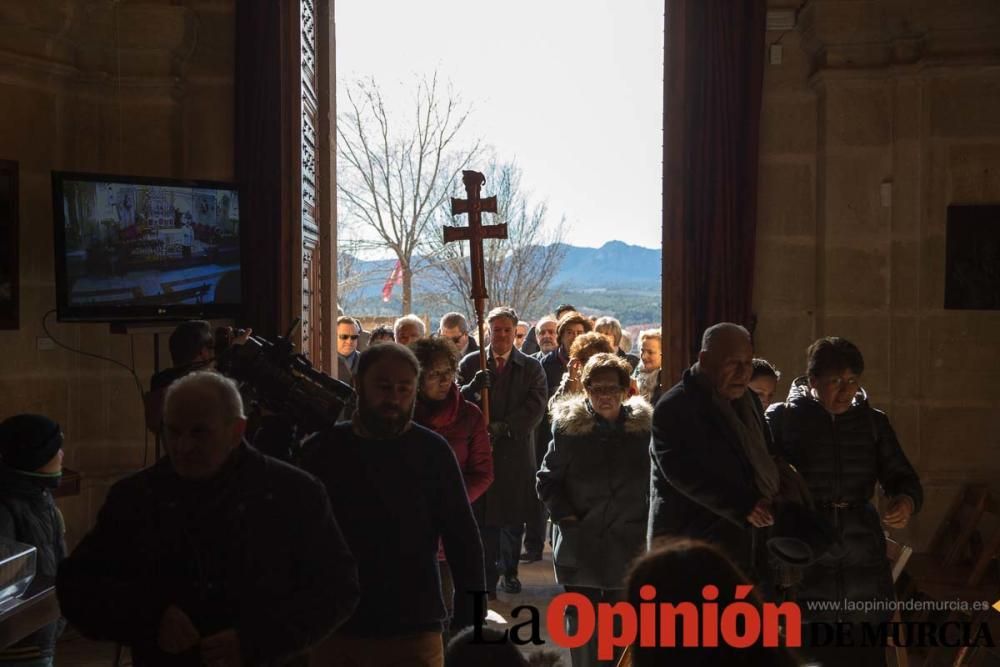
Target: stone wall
[(880, 115), (139, 88)]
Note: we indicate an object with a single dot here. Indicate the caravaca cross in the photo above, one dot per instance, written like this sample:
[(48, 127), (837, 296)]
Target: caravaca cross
[(474, 234)]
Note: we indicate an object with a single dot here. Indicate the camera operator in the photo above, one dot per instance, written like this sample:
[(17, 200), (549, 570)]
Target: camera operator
[(291, 399), (274, 434), (192, 348)]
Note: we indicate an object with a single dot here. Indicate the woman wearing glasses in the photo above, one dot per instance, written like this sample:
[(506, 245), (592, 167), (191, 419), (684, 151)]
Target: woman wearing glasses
[(594, 481), (843, 447), (441, 408)]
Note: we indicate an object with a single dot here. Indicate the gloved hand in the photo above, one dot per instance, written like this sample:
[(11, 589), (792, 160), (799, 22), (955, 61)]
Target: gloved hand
[(498, 430), (481, 380)]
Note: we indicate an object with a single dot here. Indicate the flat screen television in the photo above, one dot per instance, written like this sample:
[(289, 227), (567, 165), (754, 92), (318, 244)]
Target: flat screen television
[(145, 249)]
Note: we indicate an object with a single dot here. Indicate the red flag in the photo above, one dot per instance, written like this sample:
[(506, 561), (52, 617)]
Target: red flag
[(395, 278)]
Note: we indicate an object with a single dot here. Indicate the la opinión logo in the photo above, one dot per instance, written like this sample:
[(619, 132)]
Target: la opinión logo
[(707, 624), (739, 624)]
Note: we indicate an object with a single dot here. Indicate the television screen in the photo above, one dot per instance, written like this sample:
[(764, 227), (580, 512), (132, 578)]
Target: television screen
[(145, 249)]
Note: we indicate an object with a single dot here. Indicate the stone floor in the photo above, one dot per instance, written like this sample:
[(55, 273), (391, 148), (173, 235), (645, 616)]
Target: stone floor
[(538, 587)]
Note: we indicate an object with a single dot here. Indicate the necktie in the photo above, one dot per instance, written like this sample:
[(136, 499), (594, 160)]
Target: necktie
[(501, 362)]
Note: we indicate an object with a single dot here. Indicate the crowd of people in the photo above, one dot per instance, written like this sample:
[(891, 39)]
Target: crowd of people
[(399, 522)]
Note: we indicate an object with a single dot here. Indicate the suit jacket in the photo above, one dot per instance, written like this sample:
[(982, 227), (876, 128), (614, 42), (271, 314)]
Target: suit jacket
[(344, 372), (530, 345), (518, 398), (471, 346)]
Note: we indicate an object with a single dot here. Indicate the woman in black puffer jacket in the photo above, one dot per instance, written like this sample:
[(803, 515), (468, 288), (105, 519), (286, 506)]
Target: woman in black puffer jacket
[(843, 447)]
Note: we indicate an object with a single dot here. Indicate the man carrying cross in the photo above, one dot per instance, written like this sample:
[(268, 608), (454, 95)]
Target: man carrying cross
[(510, 388), (517, 402)]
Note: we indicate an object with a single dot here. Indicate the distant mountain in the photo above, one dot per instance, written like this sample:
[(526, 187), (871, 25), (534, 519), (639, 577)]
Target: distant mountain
[(614, 264), (616, 279)]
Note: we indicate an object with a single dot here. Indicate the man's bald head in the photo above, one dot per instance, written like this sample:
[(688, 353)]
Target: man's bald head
[(722, 334), (726, 358)]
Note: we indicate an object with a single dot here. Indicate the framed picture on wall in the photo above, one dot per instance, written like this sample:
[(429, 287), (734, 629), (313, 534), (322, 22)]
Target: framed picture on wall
[(8, 245)]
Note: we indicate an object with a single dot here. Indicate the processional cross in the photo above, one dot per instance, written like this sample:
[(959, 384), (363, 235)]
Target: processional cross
[(474, 234)]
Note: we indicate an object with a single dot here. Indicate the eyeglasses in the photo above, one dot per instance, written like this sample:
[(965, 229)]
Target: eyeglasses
[(440, 376), (457, 340), (605, 390), (519, 336), (348, 336)]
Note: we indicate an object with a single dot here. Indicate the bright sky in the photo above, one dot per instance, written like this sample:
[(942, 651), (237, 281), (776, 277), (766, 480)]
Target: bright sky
[(570, 89)]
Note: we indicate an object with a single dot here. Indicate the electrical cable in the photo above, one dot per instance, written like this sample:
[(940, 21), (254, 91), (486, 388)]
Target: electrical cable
[(135, 376), (145, 432)]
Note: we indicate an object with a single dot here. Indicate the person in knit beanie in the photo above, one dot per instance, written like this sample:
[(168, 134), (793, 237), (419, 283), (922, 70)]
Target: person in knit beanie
[(30, 467)]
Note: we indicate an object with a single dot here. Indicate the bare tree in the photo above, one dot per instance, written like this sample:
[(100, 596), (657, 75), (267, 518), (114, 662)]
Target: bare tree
[(393, 176), (352, 277), (519, 268)]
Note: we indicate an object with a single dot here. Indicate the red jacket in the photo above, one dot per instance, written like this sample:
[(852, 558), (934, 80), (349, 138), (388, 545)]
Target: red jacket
[(462, 424)]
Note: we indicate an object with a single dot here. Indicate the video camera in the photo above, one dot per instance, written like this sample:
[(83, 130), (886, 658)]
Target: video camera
[(284, 381)]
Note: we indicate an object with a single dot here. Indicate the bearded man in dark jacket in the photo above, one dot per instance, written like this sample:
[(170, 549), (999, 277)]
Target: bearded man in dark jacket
[(30, 468), (215, 555), (400, 492), (712, 473)]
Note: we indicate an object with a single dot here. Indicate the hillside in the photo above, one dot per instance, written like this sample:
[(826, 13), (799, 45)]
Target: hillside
[(616, 279)]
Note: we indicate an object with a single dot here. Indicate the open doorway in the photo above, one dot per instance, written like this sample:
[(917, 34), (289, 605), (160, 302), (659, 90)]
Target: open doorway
[(559, 104)]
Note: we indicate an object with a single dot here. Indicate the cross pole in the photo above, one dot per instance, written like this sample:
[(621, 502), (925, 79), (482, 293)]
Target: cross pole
[(474, 234)]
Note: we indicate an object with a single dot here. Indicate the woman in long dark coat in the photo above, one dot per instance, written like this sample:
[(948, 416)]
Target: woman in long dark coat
[(843, 447), (594, 481)]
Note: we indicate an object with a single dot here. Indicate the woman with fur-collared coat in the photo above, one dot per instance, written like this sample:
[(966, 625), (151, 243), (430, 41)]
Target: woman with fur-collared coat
[(594, 481)]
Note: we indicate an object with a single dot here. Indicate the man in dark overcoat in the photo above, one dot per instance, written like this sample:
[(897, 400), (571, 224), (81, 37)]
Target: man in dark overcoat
[(214, 555), (517, 403), (712, 473)]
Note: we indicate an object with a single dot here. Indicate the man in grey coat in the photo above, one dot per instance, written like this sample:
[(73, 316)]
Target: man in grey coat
[(517, 403)]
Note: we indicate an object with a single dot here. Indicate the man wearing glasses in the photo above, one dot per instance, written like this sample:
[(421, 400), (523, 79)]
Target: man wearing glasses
[(454, 327), (348, 332)]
